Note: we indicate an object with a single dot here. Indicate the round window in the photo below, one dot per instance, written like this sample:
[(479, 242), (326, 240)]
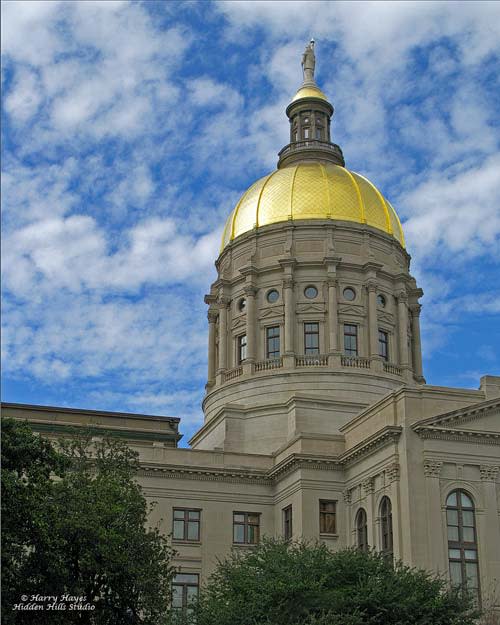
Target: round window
[(381, 301), (242, 304), (273, 296), (349, 294), (311, 292)]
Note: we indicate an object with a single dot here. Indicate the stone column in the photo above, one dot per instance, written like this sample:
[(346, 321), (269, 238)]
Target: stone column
[(250, 293), (489, 525), (289, 315), (223, 302), (332, 315), (212, 320), (437, 550), (348, 521), (417, 346), (372, 318), (393, 472), (369, 494), (403, 328)]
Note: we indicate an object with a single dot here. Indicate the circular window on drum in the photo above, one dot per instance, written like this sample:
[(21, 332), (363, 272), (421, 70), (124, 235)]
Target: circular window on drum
[(272, 296), (349, 294), (242, 304), (381, 301), (311, 292)]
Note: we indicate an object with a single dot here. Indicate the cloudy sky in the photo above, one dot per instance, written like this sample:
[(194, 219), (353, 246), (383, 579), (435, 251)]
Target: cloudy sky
[(130, 129)]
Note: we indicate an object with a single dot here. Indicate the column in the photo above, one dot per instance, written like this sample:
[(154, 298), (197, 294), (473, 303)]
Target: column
[(289, 314), (222, 334), (333, 315), (489, 526), (403, 328), (417, 346), (212, 320), (369, 496), (372, 318), (250, 293), (436, 555)]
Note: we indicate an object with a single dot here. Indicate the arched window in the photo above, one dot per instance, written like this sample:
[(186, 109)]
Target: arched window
[(386, 527), (362, 530), (462, 541)]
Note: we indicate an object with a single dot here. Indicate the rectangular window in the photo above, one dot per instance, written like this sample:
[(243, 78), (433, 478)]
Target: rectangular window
[(185, 588), (327, 517), (186, 524), (273, 342), (350, 339), (383, 344), (311, 339), (242, 348), (287, 523), (306, 133), (246, 527), (318, 133)]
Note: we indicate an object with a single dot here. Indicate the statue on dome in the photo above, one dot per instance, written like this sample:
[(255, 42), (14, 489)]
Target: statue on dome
[(309, 62)]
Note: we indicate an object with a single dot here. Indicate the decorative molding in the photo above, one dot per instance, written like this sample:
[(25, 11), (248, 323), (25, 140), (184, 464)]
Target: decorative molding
[(348, 495), (305, 308), (212, 316), (386, 436), (489, 473), (371, 286), (368, 486), (402, 296), (462, 415), (432, 468), (351, 309), (288, 283), (275, 311), (393, 472), (250, 290), (239, 322), (467, 436)]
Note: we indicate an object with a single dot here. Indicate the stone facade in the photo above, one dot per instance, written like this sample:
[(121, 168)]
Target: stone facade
[(318, 421)]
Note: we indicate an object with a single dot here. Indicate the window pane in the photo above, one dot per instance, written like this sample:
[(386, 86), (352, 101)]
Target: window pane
[(178, 514), (452, 516), (193, 533), (239, 518), (238, 533), (468, 518), (192, 593), (452, 499), (327, 506), (328, 523), (472, 576), (193, 515), (468, 534), (454, 553), (253, 534), (470, 554), (176, 596), (456, 573), (186, 578), (178, 530), (466, 501), (253, 519), (452, 532)]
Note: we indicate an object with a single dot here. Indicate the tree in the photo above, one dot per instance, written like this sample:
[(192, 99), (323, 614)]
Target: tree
[(282, 583), (75, 524)]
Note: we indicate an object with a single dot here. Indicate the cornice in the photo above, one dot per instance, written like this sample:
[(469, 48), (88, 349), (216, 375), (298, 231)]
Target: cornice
[(470, 436), (386, 436), (462, 415)]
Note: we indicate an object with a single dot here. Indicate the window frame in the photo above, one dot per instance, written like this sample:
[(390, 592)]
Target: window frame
[(186, 521), (462, 545), (184, 608), (246, 524), (308, 350), (383, 344), (287, 513), (241, 348), (270, 354), (361, 524), (324, 514), (386, 528), (348, 351)]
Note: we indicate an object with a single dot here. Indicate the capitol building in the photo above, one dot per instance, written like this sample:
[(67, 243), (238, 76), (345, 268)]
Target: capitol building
[(318, 423)]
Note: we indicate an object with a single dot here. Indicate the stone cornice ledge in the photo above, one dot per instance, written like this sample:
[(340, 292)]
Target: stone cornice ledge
[(206, 474), (382, 438), (450, 434)]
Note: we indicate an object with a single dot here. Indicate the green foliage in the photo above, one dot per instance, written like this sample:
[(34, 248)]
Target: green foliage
[(281, 583), (74, 522)]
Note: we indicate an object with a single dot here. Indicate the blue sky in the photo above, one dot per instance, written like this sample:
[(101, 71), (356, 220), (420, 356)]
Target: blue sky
[(131, 129)]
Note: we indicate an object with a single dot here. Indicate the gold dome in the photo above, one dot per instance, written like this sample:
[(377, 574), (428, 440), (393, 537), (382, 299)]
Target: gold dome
[(309, 92), (312, 190)]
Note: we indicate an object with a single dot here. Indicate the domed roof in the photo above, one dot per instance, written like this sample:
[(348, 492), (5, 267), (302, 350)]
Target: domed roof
[(309, 92), (312, 190)]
